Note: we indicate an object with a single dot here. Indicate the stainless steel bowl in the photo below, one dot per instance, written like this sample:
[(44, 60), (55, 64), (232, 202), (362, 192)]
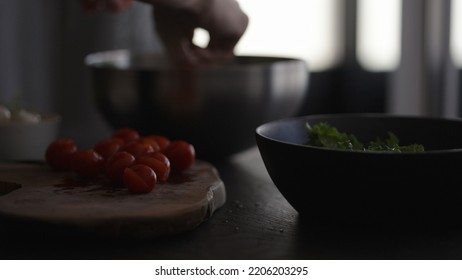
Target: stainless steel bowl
[(216, 108)]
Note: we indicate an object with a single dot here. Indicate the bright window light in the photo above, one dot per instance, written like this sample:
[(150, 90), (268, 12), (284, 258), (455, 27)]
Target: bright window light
[(379, 34), (456, 32), (201, 37), (307, 29)]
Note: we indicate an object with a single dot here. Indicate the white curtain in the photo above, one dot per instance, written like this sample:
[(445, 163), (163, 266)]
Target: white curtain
[(42, 48)]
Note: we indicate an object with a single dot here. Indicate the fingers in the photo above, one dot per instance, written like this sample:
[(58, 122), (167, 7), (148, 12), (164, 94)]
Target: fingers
[(211, 56), (223, 19), (185, 54), (176, 32), (226, 23)]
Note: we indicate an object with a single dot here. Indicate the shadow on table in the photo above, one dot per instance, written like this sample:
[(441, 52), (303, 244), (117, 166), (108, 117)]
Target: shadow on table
[(343, 241)]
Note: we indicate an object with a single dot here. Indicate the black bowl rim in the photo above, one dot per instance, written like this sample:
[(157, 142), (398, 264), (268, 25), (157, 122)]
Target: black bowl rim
[(258, 132)]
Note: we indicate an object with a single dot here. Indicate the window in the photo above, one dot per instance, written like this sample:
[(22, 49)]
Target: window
[(456, 32), (354, 47), (311, 30), (307, 29), (378, 34)]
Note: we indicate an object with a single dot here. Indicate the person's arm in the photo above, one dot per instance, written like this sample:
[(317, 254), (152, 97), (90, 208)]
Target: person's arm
[(223, 19), (176, 20)]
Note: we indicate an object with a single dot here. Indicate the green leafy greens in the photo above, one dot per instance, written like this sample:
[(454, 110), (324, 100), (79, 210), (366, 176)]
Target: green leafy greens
[(325, 135)]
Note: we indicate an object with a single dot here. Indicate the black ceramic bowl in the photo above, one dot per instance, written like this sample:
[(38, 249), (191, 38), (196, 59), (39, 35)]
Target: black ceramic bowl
[(216, 108), (360, 186)]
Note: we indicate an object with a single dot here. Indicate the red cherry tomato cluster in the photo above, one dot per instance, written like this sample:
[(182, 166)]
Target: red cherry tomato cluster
[(138, 162)]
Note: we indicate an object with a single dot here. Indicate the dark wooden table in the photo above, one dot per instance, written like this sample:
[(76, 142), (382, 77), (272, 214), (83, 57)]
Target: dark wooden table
[(255, 223)]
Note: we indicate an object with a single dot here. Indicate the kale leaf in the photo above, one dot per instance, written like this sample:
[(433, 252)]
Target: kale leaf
[(325, 135)]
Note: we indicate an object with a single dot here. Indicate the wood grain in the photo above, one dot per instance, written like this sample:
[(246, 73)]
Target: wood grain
[(255, 223), (54, 198)]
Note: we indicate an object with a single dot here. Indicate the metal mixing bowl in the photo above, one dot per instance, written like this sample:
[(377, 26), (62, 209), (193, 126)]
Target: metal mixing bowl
[(216, 108)]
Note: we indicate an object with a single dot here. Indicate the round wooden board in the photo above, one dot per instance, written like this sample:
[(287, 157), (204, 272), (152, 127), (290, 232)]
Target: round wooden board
[(34, 192)]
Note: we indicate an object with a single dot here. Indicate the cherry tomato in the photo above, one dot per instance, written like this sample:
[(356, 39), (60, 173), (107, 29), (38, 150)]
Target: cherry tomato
[(59, 154), (108, 147), (162, 158), (139, 178), (162, 141), (149, 141), (181, 155), (137, 149), (116, 165), (159, 163), (126, 134), (87, 163)]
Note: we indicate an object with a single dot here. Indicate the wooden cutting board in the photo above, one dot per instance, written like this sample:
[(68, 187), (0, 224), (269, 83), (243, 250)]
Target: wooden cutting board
[(34, 193)]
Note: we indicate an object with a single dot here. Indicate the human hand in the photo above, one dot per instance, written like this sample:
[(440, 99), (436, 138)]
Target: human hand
[(176, 21), (223, 19)]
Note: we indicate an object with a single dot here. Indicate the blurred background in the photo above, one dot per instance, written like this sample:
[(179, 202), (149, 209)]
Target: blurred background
[(393, 56)]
